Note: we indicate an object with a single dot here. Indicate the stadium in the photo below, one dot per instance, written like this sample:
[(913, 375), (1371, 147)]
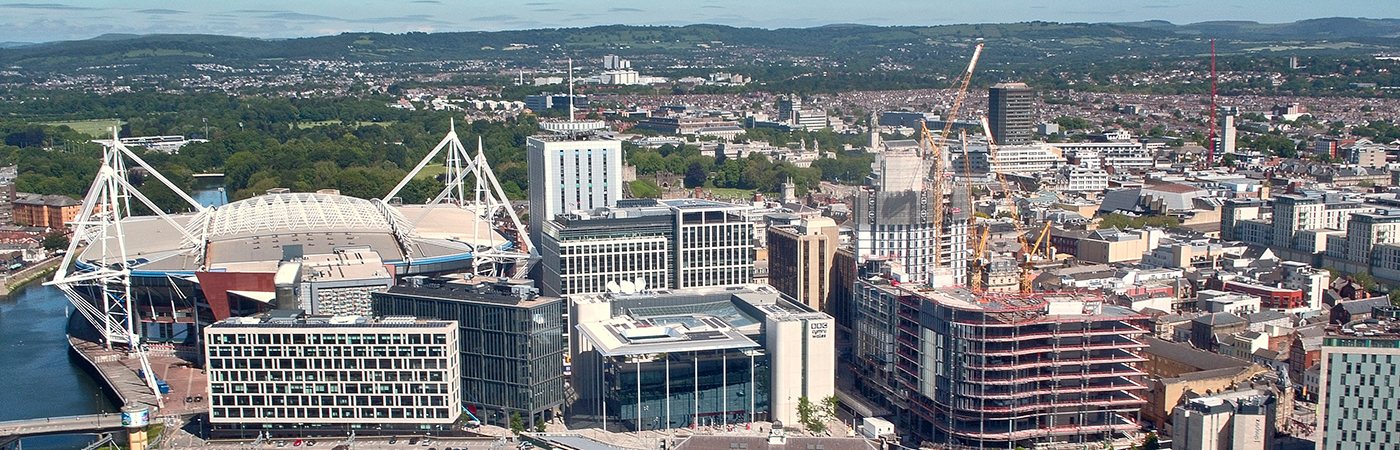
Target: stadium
[(161, 277)]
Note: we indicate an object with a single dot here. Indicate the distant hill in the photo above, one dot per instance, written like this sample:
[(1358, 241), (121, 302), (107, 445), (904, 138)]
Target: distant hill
[(1010, 44)]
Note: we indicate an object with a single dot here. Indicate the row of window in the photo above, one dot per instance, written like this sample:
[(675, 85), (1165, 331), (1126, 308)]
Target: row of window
[(318, 351), (333, 413), (222, 363), (270, 336)]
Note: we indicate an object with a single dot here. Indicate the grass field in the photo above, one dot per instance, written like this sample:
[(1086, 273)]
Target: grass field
[(730, 192), (97, 128), (319, 123), (430, 170)]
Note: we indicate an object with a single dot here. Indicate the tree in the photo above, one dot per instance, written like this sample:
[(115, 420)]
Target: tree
[(517, 425), (829, 406), (55, 241), (695, 175), (807, 415), (1151, 443)]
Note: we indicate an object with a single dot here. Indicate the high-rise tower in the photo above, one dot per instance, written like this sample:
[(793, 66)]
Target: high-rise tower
[(1009, 108)]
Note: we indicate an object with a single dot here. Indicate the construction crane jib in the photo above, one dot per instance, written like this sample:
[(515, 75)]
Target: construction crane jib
[(932, 152)]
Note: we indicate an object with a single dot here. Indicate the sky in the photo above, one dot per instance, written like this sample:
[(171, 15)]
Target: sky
[(54, 20)]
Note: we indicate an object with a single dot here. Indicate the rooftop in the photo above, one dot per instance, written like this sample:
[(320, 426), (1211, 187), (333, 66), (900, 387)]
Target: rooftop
[(502, 291), (298, 318), (726, 317)]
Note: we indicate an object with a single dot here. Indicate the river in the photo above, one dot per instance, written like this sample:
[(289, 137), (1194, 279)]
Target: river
[(39, 377)]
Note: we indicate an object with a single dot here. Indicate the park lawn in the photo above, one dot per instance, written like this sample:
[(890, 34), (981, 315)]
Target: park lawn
[(97, 128), (431, 170), (730, 192), (320, 123)]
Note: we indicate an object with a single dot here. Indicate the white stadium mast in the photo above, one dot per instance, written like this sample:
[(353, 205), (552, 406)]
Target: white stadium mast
[(108, 275), (472, 185)]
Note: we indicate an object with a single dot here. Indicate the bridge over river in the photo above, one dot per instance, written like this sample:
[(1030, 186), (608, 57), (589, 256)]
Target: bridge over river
[(13, 430)]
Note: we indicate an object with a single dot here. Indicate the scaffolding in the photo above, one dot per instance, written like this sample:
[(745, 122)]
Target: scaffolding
[(1003, 371)]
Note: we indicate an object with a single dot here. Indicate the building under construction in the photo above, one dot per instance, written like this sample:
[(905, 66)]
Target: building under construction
[(999, 370)]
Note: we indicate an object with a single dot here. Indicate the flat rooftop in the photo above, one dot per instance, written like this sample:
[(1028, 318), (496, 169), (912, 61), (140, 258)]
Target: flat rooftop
[(463, 288), (711, 318), (1024, 307), (296, 318)]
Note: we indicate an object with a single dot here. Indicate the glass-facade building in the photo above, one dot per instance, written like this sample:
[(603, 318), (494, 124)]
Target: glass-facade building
[(706, 357), (704, 388), (512, 352)]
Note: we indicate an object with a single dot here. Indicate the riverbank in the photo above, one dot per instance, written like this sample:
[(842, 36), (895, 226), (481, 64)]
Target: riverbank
[(28, 275)]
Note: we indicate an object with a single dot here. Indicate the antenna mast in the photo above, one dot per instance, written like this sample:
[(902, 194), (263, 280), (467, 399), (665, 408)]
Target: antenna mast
[(1210, 151), (571, 88)]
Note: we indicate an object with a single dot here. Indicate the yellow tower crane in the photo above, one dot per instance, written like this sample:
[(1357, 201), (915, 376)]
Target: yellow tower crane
[(932, 152)]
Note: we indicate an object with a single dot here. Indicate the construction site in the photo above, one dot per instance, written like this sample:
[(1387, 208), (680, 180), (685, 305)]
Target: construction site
[(948, 335)]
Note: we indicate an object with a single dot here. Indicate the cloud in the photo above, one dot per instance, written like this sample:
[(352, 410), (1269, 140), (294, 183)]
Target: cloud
[(58, 6), (626, 10), (427, 2), (288, 15), (161, 11), (539, 4), (419, 19), (496, 18)]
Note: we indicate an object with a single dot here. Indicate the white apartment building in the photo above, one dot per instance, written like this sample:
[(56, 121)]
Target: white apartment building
[(570, 173), (288, 374)]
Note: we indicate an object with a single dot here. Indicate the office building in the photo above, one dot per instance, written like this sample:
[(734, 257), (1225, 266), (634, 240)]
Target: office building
[(648, 244), (586, 251), (999, 370), (1026, 159), (570, 172), (1119, 157), (799, 116), (712, 356), (800, 260), (1357, 402), (288, 374), (1010, 111), (513, 354)]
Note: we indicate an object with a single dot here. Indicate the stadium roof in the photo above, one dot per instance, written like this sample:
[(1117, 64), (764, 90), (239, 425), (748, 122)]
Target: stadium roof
[(296, 212), (269, 228)]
